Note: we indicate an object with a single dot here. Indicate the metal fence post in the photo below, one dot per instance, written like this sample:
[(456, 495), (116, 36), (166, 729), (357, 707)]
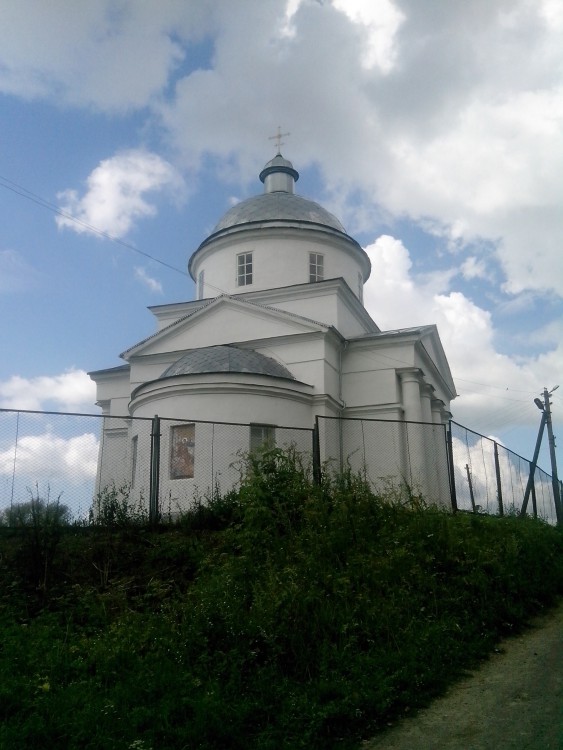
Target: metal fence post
[(316, 453), (499, 483), (451, 472), (154, 470)]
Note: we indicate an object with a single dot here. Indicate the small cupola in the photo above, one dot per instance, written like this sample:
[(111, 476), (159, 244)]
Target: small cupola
[(279, 176)]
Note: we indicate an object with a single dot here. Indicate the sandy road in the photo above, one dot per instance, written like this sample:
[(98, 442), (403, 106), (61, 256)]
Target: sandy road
[(512, 702)]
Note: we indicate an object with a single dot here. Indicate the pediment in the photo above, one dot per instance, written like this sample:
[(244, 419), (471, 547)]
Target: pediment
[(431, 342), (224, 320)]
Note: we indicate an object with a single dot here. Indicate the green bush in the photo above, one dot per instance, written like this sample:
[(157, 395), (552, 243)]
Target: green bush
[(285, 615), (114, 508)]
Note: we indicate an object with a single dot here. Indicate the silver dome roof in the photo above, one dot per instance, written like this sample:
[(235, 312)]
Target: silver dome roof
[(278, 206), (211, 359)]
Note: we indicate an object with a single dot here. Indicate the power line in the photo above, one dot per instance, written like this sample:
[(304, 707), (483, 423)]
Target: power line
[(25, 193), (498, 387)]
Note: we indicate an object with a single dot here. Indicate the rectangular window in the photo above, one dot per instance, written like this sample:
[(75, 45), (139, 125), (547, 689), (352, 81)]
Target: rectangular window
[(200, 285), (134, 448), (182, 443), (360, 287), (316, 267), (244, 269), (262, 436)]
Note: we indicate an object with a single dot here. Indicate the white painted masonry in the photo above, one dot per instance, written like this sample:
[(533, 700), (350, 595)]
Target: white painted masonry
[(278, 351)]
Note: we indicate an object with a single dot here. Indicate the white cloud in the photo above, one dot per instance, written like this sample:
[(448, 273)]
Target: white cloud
[(447, 114), (396, 298), (102, 54), (472, 268), (71, 391), (380, 22), (467, 143), (114, 199), (48, 456), (152, 284)]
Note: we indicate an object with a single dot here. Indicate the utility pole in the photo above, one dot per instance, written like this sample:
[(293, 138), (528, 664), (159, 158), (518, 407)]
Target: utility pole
[(551, 438), (533, 465)]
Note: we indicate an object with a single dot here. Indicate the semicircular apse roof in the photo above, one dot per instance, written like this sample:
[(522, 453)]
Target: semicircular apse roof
[(277, 206), (211, 359)]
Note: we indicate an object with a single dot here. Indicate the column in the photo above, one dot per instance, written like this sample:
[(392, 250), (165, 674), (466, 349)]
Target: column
[(439, 418), (417, 472)]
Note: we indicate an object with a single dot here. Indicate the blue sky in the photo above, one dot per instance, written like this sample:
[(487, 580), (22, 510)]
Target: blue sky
[(432, 130)]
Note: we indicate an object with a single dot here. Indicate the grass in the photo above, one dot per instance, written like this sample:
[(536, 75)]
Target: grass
[(284, 615)]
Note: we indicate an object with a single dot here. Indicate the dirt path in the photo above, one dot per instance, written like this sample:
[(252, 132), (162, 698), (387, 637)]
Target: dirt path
[(513, 702)]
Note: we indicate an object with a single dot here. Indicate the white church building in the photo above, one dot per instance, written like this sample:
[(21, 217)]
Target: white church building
[(276, 337)]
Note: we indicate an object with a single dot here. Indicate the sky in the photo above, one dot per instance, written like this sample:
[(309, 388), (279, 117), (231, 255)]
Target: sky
[(432, 129)]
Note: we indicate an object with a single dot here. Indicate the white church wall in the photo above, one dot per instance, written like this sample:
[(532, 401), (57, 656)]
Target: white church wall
[(224, 324), (280, 257), (329, 309), (370, 388), (227, 397), (119, 406), (218, 459), (304, 356), (112, 390), (217, 448), (113, 456)]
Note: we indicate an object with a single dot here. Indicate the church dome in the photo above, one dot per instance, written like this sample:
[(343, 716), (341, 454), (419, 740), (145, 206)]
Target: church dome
[(277, 206), (278, 202), (276, 240), (213, 359)]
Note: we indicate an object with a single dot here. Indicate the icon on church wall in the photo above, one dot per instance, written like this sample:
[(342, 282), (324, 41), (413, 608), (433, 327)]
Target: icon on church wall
[(182, 451)]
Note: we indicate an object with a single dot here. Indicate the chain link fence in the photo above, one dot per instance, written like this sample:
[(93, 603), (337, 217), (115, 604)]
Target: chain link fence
[(401, 457), (490, 478), (48, 457), (162, 468), (199, 459), (85, 463)]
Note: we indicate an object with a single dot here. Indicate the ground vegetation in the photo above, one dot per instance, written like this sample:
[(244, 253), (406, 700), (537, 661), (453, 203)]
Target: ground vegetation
[(286, 614)]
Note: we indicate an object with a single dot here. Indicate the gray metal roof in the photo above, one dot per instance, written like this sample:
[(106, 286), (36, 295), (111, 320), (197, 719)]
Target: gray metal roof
[(226, 359), (278, 206)]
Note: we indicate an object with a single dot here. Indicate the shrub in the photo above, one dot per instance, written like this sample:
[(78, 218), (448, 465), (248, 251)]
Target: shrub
[(114, 508), (36, 512)]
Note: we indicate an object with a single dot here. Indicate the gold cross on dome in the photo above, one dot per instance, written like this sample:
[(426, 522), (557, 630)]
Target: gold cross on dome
[(278, 137)]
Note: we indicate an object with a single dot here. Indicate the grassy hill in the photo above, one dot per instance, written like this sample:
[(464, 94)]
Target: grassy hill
[(283, 615)]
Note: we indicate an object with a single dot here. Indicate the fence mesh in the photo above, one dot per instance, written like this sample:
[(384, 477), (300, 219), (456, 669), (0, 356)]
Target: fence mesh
[(50, 457), (201, 458), (395, 456), (72, 459), (79, 460), (481, 487)]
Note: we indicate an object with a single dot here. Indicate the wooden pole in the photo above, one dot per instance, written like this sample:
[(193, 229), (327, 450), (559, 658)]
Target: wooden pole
[(533, 466), (551, 439)]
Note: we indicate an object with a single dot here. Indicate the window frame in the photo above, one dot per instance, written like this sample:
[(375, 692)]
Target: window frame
[(267, 438), (200, 283), (245, 269), (316, 267)]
